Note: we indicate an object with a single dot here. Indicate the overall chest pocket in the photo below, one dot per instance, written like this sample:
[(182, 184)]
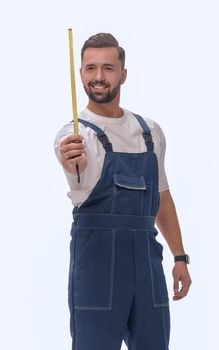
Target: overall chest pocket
[(130, 194)]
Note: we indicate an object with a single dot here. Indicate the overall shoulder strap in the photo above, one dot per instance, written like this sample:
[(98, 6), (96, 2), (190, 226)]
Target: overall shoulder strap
[(100, 134), (146, 133)]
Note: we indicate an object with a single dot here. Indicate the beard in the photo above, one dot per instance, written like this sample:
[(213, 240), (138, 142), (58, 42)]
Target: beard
[(101, 96)]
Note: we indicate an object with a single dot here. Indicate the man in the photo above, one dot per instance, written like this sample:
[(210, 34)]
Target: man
[(117, 287)]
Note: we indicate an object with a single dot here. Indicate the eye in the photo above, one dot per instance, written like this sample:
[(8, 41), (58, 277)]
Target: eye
[(89, 68), (109, 68)]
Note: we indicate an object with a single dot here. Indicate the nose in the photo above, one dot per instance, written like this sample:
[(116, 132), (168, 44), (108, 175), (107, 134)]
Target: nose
[(99, 74)]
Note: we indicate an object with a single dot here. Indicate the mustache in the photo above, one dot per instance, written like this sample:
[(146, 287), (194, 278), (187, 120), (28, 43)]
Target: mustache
[(98, 82)]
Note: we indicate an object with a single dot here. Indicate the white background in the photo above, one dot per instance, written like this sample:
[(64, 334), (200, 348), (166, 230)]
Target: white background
[(173, 76)]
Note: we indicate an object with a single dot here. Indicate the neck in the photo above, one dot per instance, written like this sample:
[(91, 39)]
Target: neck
[(111, 109)]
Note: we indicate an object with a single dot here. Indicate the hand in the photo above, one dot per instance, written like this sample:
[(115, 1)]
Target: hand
[(72, 152), (181, 274)]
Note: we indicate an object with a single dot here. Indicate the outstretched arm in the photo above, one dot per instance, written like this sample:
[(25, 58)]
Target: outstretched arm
[(168, 224)]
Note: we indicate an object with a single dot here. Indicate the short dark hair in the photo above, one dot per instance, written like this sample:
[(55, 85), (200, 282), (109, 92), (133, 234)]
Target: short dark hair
[(104, 40)]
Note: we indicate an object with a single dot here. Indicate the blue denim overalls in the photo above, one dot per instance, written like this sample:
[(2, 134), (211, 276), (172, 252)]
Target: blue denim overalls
[(117, 289)]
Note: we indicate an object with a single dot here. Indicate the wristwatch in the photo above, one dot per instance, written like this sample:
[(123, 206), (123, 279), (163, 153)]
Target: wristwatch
[(185, 258)]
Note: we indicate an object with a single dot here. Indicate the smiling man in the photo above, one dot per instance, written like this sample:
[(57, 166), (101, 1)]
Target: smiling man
[(117, 289)]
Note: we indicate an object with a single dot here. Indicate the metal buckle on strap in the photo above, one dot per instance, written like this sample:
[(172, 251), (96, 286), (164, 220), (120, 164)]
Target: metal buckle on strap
[(103, 139), (148, 141), (147, 137), (105, 142)]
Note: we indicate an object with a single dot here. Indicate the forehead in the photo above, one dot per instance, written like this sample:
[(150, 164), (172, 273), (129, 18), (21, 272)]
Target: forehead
[(102, 55)]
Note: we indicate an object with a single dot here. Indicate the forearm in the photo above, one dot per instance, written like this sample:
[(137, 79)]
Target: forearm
[(168, 224)]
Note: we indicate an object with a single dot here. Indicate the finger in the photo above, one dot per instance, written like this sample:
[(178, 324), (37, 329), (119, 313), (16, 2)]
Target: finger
[(180, 295), (71, 161), (72, 150), (73, 153), (176, 285), (74, 160), (72, 146), (183, 291), (71, 138)]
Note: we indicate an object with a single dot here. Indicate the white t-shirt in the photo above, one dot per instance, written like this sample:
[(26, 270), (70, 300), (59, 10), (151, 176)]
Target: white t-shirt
[(125, 134)]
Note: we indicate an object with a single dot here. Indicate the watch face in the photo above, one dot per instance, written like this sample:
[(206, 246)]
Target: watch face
[(187, 259)]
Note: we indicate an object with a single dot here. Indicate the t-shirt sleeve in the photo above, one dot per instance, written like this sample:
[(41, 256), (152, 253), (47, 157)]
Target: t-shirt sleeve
[(64, 132), (163, 182)]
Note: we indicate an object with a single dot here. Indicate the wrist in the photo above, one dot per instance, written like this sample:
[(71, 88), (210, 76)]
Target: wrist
[(182, 258)]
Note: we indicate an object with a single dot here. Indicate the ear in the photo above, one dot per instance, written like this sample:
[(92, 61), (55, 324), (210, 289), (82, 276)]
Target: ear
[(81, 73), (123, 76)]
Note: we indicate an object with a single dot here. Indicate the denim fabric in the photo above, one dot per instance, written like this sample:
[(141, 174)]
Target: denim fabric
[(117, 289)]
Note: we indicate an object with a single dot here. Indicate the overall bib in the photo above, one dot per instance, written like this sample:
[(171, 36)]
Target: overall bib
[(117, 289)]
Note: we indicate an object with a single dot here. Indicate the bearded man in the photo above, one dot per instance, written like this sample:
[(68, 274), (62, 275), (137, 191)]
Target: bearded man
[(117, 289)]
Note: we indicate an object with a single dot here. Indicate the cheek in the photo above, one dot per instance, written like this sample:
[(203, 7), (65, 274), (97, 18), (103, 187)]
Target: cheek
[(115, 79), (85, 80)]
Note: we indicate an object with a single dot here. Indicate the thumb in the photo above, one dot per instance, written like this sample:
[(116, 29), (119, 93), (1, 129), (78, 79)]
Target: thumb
[(176, 285)]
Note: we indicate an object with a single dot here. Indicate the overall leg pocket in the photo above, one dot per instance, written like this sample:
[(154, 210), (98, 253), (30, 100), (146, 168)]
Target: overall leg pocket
[(158, 281), (93, 269)]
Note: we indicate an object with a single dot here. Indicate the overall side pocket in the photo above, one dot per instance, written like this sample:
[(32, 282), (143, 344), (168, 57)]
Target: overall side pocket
[(158, 280), (93, 269)]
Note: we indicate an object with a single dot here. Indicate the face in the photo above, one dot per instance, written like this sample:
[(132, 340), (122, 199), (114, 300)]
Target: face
[(102, 74)]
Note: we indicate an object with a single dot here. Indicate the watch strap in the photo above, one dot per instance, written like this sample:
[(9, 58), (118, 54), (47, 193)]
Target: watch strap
[(184, 258)]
